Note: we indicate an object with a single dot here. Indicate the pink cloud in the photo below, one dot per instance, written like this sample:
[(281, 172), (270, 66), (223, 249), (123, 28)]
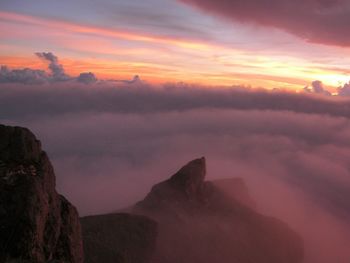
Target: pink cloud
[(292, 150), (320, 21)]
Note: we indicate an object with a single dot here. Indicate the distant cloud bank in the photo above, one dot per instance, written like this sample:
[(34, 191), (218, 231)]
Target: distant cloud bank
[(56, 74), (110, 143), (57, 71)]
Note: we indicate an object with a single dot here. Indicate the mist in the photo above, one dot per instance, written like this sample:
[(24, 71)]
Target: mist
[(110, 143)]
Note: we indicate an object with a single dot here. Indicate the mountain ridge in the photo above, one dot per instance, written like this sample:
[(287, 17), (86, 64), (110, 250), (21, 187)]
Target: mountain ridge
[(193, 214)]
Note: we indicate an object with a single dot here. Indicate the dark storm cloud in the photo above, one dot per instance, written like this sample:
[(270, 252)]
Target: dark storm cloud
[(320, 21)]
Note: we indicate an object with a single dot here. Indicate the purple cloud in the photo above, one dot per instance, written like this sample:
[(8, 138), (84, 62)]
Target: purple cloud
[(318, 88), (345, 90), (57, 71), (292, 150), (35, 76), (26, 76), (320, 21), (87, 78)]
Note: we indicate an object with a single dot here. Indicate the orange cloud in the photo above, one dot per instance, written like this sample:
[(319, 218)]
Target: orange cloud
[(93, 30), (116, 53)]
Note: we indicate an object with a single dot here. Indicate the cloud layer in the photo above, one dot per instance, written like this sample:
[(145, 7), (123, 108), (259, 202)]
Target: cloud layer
[(57, 74), (25, 76), (320, 21), (137, 97), (110, 143)]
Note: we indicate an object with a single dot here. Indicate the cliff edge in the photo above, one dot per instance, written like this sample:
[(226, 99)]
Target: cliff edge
[(36, 223)]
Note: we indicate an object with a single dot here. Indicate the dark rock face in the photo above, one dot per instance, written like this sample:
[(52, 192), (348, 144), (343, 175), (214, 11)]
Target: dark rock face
[(118, 238), (185, 188), (36, 223), (198, 222)]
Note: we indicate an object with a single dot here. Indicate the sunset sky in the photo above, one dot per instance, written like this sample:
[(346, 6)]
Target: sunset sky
[(122, 93), (269, 43)]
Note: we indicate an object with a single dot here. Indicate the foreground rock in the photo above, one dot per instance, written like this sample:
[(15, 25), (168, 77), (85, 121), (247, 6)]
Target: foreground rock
[(198, 222), (118, 238), (36, 223)]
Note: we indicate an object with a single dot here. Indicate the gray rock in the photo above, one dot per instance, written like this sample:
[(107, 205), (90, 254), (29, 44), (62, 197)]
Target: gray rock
[(118, 238)]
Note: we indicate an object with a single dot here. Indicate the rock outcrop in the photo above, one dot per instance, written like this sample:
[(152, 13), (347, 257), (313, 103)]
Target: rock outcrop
[(36, 223), (198, 222), (183, 219), (185, 189), (118, 238)]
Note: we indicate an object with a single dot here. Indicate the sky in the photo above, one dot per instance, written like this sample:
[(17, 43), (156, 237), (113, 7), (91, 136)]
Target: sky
[(270, 43)]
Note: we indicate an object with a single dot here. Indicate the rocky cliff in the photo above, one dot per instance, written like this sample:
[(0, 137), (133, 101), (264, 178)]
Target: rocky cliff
[(198, 222), (118, 238), (36, 223), (183, 219)]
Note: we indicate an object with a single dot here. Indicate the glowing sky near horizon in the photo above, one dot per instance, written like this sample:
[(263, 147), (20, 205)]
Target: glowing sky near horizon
[(163, 41)]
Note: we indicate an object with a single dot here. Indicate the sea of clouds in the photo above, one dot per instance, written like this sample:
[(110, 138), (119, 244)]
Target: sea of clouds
[(111, 141)]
